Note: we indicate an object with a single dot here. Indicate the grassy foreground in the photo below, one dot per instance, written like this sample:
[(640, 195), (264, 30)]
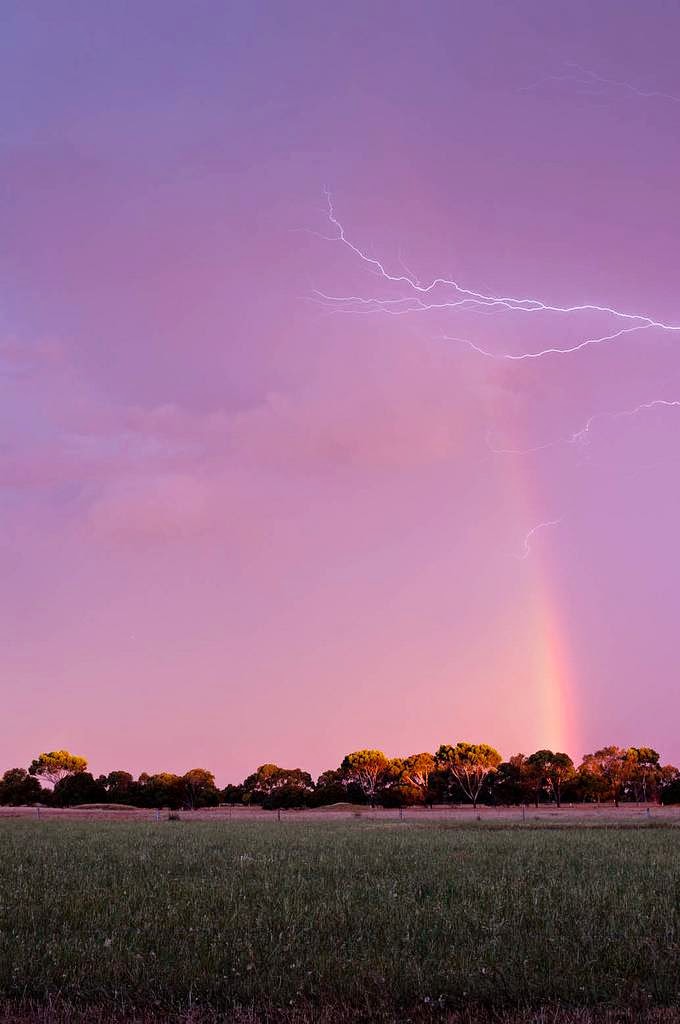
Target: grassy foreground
[(334, 922)]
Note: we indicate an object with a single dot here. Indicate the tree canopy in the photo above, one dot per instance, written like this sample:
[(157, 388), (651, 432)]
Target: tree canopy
[(365, 768), (57, 765), (462, 772), (469, 764)]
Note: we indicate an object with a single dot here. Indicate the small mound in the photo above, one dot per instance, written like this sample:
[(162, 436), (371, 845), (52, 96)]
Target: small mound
[(343, 805), (106, 807)]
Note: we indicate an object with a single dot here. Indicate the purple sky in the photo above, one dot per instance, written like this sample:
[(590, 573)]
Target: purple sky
[(240, 524)]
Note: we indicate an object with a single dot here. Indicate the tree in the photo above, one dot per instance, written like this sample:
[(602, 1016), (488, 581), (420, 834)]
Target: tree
[(394, 790), (512, 781), (417, 771), (560, 772), (470, 764), (57, 765), (18, 788), (121, 788), (330, 788), (535, 780), (161, 790), (79, 788), (292, 788), (265, 785), (232, 794), (669, 785), (261, 783), (199, 788), (366, 768), (550, 771), (644, 772), (290, 794), (610, 767), (334, 787)]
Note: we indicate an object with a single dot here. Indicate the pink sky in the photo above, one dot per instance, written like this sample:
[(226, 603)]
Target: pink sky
[(240, 525)]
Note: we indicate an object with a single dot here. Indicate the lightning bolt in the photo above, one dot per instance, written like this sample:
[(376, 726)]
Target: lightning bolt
[(447, 294), (420, 298), (532, 533), (582, 436), (584, 76), (518, 357)]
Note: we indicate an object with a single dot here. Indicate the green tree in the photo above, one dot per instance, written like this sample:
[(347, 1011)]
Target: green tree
[(161, 790), (561, 771), (550, 771), (333, 787), (266, 786), (293, 789), (610, 768), (366, 768), (534, 775), (261, 783), (513, 781), (17, 788), (644, 773), (393, 789), (330, 788), (417, 772), (470, 764), (232, 794), (79, 788), (669, 785), (121, 788), (57, 765), (199, 788)]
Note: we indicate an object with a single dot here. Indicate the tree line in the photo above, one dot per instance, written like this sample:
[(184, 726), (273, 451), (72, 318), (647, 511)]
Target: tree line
[(471, 773)]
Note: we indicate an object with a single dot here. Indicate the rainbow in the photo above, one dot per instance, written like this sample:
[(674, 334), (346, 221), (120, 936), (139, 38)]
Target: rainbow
[(551, 689), (552, 675)]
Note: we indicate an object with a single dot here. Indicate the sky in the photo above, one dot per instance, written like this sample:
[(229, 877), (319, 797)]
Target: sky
[(263, 499)]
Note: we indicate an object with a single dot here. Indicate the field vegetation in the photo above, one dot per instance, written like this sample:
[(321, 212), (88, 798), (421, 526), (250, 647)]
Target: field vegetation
[(357, 920)]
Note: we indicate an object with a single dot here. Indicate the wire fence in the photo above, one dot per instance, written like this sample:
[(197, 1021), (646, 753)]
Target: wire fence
[(583, 815)]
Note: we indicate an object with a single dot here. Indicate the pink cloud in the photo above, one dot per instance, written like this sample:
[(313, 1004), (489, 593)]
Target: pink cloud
[(158, 509), (410, 411), (140, 461)]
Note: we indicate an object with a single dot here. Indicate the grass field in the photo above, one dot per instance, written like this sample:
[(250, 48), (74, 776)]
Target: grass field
[(348, 921)]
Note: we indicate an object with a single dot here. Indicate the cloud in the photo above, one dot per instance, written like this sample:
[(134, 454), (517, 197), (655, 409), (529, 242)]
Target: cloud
[(158, 509), (165, 472), (398, 411), (18, 359), (316, 431)]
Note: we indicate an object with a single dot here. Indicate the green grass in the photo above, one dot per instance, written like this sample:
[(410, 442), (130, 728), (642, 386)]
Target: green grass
[(355, 918)]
